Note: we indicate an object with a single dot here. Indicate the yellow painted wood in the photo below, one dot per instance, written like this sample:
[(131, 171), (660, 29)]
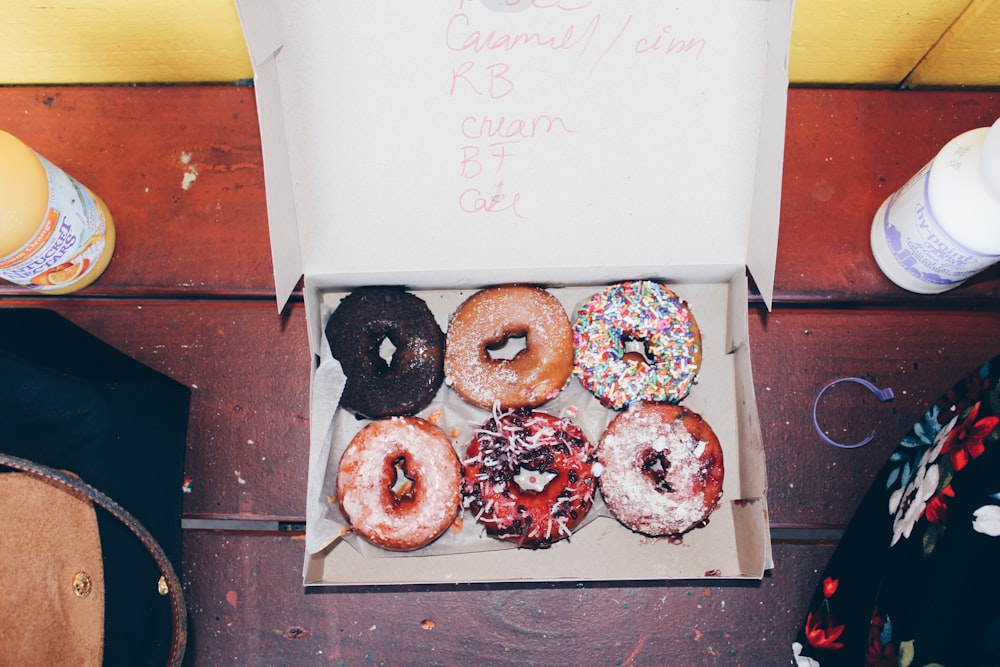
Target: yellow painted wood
[(968, 53), (107, 41), (870, 42), (834, 42)]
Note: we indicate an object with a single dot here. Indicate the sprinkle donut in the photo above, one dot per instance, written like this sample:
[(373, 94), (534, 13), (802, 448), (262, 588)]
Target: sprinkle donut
[(662, 469), (528, 477), (363, 322), (487, 321), (399, 483), (645, 313)]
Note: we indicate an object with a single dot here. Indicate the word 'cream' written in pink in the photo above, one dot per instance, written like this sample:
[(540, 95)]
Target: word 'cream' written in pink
[(488, 127)]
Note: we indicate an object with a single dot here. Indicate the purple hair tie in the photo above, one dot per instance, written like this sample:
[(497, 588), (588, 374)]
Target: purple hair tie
[(882, 395)]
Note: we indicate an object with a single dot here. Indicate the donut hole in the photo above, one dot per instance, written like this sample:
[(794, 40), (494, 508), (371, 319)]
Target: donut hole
[(386, 351), (533, 481), (655, 466), (508, 347), (402, 485), (383, 345), (637, 350)]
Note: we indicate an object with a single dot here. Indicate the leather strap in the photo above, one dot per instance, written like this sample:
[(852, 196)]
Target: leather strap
[(177, 604)]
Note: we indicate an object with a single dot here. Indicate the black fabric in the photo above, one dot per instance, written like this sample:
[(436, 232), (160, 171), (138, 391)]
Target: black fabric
[(916, 578), (72, 402)]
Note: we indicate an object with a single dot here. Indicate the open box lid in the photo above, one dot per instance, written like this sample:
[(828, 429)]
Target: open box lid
[(473, 142)]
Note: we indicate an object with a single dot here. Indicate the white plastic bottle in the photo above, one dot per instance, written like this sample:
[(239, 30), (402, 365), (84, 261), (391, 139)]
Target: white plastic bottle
[(943, 225)]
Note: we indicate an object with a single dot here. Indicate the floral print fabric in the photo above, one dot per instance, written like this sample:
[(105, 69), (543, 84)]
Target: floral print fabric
[(915, 580)]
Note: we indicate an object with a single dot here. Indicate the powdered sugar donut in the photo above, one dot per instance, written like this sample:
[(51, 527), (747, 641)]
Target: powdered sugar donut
[(528, 477), (650, 315), (489, 319), (399, 483), (662, 469)]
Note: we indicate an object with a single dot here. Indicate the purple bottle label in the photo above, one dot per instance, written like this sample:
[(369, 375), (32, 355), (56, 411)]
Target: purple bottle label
[(918, 242)]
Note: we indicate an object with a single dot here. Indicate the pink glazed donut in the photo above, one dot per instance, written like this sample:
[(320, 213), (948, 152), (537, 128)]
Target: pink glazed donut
[(399, 483)]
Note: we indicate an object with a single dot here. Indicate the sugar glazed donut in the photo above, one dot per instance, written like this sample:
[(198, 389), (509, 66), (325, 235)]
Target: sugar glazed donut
[(662, 469), (486, 321), (399, 483), (357, 331), (653, 317), (528, 477)]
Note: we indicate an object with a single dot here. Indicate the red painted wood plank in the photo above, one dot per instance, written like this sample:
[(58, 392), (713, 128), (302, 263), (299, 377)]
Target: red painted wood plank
[(180, 169), (248, 368), (845, 152), (248, 607)]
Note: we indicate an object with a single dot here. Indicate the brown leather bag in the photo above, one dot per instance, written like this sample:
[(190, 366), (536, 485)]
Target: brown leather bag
[(52, 570)]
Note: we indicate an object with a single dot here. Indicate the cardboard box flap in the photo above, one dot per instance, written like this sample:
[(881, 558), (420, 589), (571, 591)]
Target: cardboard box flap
[(262, 26), (762, 248), (449, 140)]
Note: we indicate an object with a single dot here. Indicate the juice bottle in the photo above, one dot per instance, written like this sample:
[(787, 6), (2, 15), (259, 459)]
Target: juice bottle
[(56, 236)]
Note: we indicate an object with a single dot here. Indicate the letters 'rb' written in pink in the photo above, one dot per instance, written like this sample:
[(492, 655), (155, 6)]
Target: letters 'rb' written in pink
[(491, 80)]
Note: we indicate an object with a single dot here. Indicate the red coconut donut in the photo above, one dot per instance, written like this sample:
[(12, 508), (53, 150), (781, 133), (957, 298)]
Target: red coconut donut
[(528, 477), (662, 469), (487, 321), (398, 483), (646, 313)]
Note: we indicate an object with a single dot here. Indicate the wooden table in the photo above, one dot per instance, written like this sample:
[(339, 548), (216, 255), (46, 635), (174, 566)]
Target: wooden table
[(190, 294)]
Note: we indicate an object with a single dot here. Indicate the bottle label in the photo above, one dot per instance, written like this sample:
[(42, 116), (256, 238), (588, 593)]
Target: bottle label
[(69, 242), (918, 242)]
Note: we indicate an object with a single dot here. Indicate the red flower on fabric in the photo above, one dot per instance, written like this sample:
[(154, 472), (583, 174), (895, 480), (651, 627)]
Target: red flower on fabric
[(823, 636), (830, 586), (936, 510), (966, 440), (879, 654), (972, 388)]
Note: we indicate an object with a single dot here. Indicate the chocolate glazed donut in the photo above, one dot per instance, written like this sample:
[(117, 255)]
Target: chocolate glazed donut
[(363, 323)]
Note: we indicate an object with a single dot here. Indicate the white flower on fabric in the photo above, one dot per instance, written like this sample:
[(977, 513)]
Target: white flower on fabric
[(986, 520), (802, 660), (909, 502)]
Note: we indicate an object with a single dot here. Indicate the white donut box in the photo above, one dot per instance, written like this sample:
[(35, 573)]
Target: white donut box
[(450, 145)]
